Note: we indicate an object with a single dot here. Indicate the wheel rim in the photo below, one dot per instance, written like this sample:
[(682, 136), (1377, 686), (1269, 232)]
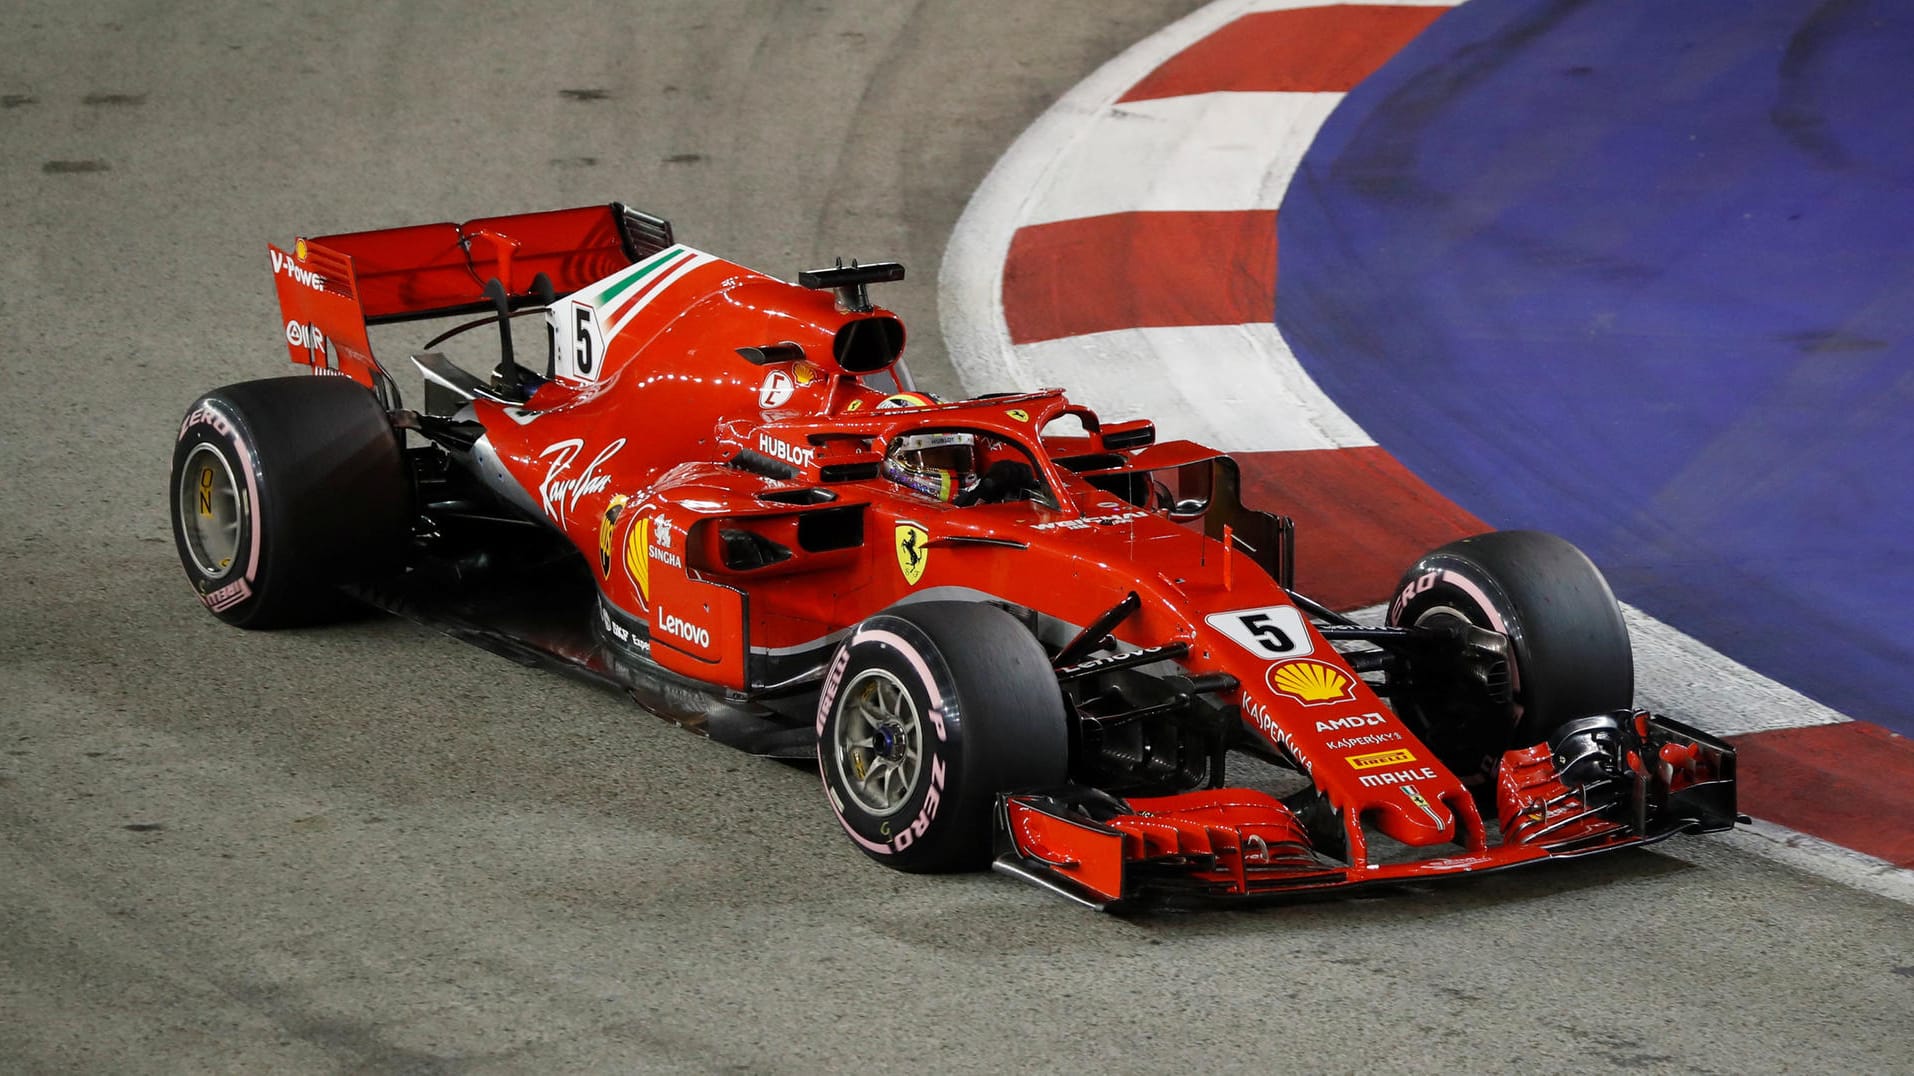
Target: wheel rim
[(211, 509), (1436, 612), (879, 743)]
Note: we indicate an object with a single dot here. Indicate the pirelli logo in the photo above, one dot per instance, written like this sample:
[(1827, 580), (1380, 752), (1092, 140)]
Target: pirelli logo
[(1378, 759)]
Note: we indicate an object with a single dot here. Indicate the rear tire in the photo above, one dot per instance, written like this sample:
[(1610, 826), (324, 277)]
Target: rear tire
[(281, 490), (928, 713), (1569, 651)]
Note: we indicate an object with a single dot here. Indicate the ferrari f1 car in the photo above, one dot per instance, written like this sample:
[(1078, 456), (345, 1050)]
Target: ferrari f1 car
[(1007, 631)]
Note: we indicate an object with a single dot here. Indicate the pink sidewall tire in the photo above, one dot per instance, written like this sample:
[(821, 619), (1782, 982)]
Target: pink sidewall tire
[(281, 490), (929, 711)]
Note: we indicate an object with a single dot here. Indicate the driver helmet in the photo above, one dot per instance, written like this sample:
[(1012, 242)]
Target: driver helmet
[(896, 400), (940, 465)]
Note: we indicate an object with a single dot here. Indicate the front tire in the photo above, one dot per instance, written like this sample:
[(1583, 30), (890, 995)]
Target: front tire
[(281, 490), (1569, 654), (929, 711)]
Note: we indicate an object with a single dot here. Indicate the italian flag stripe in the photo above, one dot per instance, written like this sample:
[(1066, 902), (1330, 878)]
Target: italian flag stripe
[(637, 299), (640, 272)]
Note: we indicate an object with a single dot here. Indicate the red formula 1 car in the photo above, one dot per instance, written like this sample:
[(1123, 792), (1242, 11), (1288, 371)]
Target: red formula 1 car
[(1003, 628)]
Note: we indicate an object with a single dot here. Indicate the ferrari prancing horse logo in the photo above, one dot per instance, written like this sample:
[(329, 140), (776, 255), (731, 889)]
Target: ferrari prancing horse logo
[(911, 552)]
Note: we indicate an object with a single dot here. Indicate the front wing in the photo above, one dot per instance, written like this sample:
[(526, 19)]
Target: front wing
[(1236, 845)]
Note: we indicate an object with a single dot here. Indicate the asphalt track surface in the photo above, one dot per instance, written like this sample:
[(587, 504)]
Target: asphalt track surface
[(369, 848)]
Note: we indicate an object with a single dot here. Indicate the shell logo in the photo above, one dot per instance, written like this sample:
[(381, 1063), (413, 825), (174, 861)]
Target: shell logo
[(610, 519), (299, 250), (1311, 682)]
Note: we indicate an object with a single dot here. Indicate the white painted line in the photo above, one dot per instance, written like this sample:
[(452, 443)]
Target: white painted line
[(1818, 857), (970, 281), (1233, 387), (1677, 675), (1212, 151)]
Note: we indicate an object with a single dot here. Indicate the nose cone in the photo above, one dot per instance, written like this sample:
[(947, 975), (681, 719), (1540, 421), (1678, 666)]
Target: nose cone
[(1414, 817)]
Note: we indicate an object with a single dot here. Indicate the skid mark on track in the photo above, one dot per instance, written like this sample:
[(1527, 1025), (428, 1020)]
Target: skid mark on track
[(1831, 342), (361, 1043), (69, 168)]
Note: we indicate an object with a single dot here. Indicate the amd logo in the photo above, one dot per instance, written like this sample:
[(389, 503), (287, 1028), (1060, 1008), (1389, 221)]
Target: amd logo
[(1353, 721)]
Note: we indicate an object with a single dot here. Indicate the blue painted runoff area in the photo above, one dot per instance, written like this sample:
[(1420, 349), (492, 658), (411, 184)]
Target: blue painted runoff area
[(1642, 273)]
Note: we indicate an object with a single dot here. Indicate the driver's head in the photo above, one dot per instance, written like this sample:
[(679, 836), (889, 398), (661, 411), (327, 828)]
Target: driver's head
[(940, 465)]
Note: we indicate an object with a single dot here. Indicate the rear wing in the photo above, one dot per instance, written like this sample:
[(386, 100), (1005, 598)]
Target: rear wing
[(332, 287)]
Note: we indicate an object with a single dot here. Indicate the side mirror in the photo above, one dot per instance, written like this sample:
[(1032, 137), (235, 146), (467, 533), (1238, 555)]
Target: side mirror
[(1188, 511)]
